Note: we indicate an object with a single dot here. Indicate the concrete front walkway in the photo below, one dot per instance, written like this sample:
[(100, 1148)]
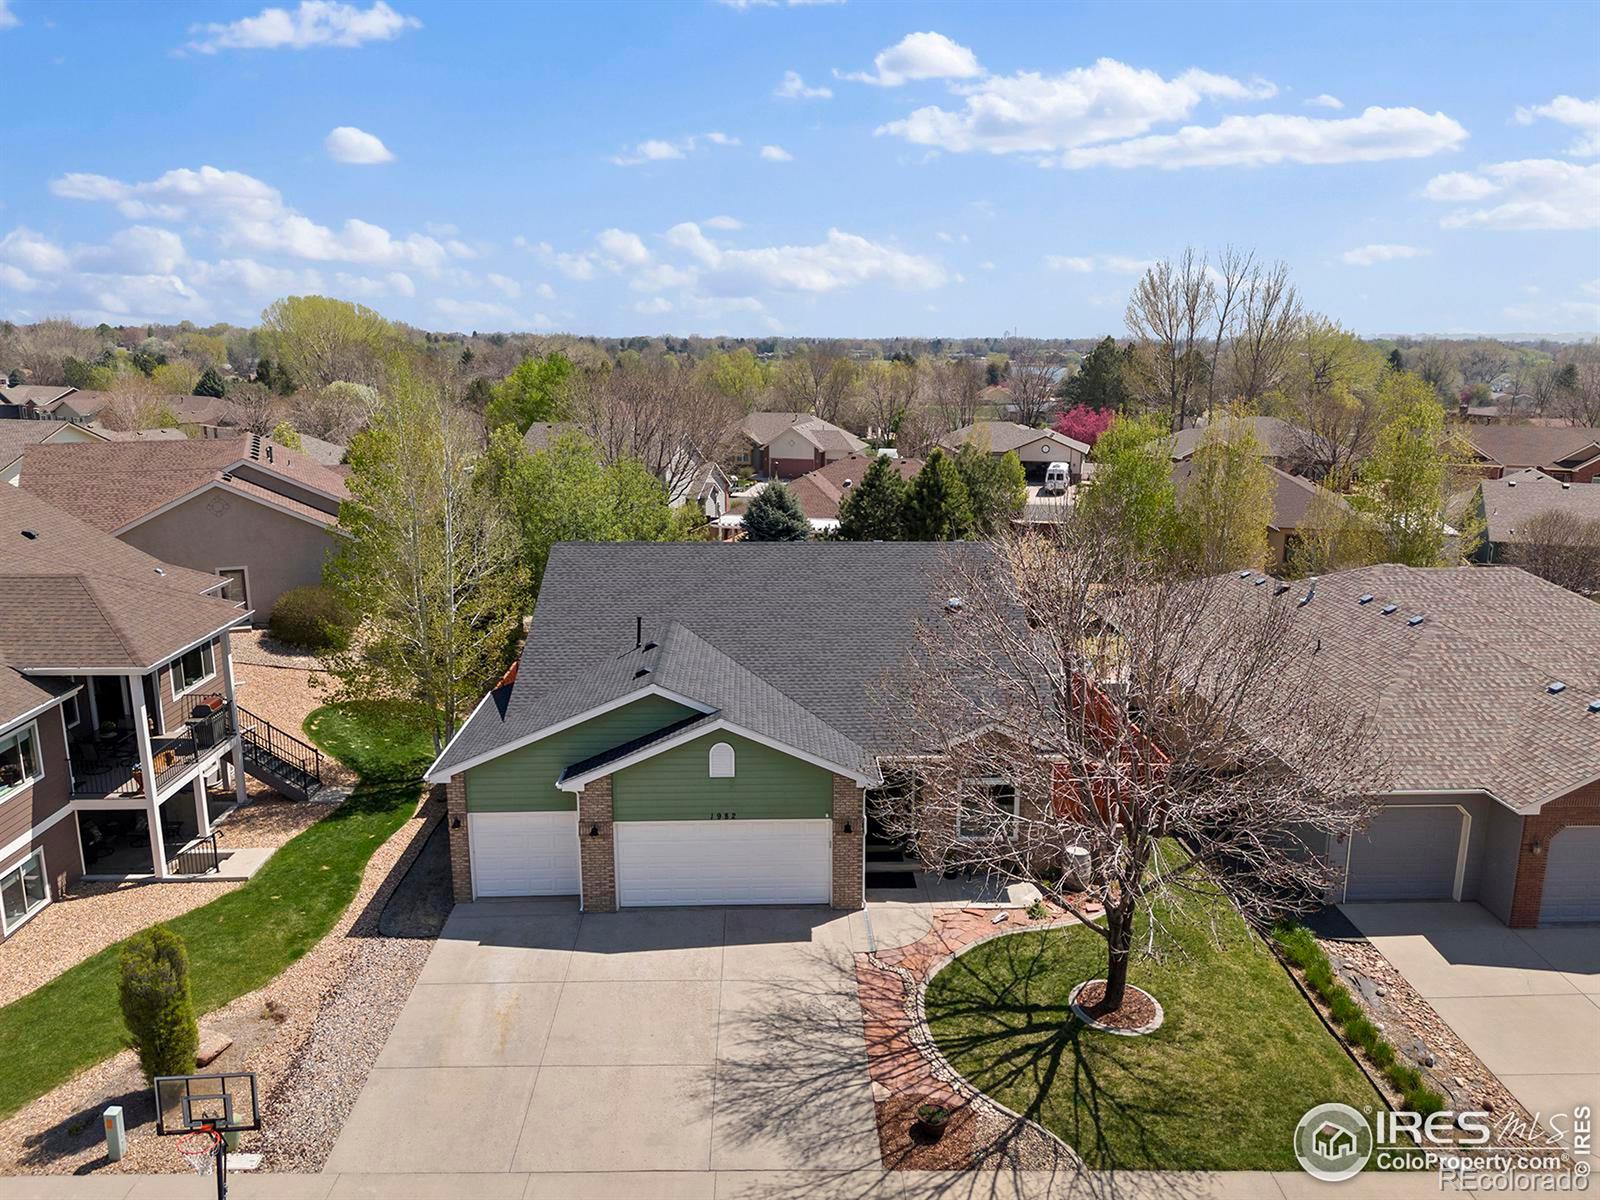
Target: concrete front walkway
[(542, 1040), (1527, 1001)]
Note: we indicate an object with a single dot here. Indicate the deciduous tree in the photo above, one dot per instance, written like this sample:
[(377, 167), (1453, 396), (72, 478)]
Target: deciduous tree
[(536, 390), (1226, 503)]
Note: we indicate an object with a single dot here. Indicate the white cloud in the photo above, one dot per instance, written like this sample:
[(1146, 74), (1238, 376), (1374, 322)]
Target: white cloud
[(480, 312), (138, 250), (919, 56), (1533, 193), (347, 144), (1120, 264), (986, 265), (794, 87), (776, 154), (365, 287), (575, 266), (1037, 114), (8, 19), (504, 284), (842, 260), (1325, 101), (241, 211), (626, 248), (653, 306), (1377, 135), (1378, 252), (33, 252), (724, 222), (314, 23), (1582, 115), (662, 150)]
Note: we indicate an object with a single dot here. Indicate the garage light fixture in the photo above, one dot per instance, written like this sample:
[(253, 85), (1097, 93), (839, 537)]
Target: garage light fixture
[(594, 831)]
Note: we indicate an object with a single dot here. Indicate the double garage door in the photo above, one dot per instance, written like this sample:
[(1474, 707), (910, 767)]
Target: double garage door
[(1409, 852), (658, 862)]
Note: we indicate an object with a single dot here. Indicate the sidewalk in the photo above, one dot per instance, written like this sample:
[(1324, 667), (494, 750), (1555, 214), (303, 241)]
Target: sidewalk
[(733, 1185)]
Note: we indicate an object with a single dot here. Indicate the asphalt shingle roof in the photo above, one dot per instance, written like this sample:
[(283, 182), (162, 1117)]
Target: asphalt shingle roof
[(1004, 436), (763, 427), (1461, 701), (1533, 445), (1292, 496), (789, 639), (1509, 502)]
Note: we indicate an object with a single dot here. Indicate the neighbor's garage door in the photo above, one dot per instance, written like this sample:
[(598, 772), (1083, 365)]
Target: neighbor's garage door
[(1572, 877), (723, 862), (524, 853), (1407, 853)]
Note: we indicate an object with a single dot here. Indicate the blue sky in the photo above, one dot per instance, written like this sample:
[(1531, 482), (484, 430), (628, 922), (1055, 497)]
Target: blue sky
[(855, 169)]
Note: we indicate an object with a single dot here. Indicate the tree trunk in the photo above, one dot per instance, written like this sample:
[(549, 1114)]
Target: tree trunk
[(1119, 923)]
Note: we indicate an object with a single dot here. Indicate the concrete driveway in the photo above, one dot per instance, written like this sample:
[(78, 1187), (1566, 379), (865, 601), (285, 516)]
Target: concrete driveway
[(1527, 1001), (539, 1039)]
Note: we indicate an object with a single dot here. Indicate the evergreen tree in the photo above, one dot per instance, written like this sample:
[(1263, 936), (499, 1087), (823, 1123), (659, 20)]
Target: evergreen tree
[(874, 511), (1101, 380), (153, 990), (1397, 361), (937, 507), (210, 384), (776, 516), (997, 487)]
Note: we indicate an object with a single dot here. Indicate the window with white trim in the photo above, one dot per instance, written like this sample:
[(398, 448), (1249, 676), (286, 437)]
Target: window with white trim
[(19, 760), (988, 807), (23, 891), (192, 669), (722, 761)]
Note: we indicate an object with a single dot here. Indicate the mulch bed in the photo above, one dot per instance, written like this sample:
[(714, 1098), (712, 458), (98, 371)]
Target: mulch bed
[(1137, 1010), (907, 1073)]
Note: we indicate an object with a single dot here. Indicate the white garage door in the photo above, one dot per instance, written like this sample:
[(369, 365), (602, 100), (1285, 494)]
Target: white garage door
[(723, 862), (524, 853), (1409, 852), (1572, 877)]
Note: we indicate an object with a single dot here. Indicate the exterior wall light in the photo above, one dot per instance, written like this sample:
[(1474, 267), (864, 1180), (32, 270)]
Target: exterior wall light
[(594, 831)]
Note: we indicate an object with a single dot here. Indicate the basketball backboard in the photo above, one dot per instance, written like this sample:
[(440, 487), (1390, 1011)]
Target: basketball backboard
[(224, 1102)]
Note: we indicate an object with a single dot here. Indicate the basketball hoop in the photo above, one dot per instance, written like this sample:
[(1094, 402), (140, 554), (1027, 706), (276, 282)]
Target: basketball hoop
[(199, 1149)]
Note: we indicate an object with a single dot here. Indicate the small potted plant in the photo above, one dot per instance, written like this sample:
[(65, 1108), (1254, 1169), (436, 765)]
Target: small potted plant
[(931, 1120)]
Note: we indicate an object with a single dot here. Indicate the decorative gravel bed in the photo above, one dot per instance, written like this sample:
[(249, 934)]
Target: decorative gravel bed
[(282, 687), (91, 916)]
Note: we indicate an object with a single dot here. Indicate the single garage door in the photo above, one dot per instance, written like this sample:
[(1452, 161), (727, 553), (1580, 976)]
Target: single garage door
[(1409, 852), (1572, 877), (723, 862), (524, 853)]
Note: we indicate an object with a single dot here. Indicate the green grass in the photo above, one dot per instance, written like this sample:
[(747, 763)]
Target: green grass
[(240, 941), (1218, 1087)]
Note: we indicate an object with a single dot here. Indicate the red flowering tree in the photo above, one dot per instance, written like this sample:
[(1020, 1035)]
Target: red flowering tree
[(1084, 424)]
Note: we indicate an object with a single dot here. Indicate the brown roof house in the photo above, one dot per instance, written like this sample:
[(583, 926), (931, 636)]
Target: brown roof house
[(822, 491), (790, 444), (690, 479), (1511, 501), (243, 507), (17, 436), (1294, 508), (121, 743), (1570, 453), (1037, 448), (1482, 685), (1284, 445)]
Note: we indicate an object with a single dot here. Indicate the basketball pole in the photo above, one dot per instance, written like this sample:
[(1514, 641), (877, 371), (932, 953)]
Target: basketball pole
[(222, 1164)]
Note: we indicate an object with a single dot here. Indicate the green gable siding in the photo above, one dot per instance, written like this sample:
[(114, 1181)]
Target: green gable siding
[(525, 780), (677, 785)]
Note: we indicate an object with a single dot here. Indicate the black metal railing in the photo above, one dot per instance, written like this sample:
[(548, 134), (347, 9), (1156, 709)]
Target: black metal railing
[(263, 740), (199, 857), (111, 767)]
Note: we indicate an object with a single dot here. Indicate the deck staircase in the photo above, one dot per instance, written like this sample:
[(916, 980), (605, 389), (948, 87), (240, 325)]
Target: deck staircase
[(278, 759)]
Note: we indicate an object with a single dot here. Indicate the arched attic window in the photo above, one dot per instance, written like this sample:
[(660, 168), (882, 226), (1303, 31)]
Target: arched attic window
[(722, 761)]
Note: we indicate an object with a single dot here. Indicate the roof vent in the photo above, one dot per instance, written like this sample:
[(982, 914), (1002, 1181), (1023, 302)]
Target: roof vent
[(30, 535), (161, 571), (1566, 484), (848, 482), (1244, 574), (1260, 581), (641, 672), (1311, 590), (1594, 706), (1511, 483), (1555, 687), (649, 645), (1414, 620), (953, 604), (1279, 589), (1388, 608), (1366, 598)]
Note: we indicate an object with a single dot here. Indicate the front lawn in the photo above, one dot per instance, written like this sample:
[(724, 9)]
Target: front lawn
[(1218, 1087), (242, 940)]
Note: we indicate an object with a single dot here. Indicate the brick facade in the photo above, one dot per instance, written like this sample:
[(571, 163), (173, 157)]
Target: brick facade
[(1581, 807), (849, 849), (597, 855), (455, 798)]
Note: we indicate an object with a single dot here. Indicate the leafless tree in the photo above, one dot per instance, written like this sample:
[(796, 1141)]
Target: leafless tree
[(1484, 361), (1234, 269), (1560, 546), (1233, 769), (1166, 315), (820, 380), (1541, 386), (335, 411), (1031, 385), (1269, 320), (1436, 363), (259, 410), (1579, 394), (43, 347), (887, 392)]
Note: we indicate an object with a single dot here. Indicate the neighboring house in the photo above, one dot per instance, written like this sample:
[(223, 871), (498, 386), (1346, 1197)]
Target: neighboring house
[(1570, 453), (790, 444), (329, 454), (1485, 704), (820, 492), (243, 507), (1284, 445), (119, 735), (17, 436), (690, 723), (692, 481), (25, 401), (1037, 448), (1294, 503), (1512, 500), (132, 435)]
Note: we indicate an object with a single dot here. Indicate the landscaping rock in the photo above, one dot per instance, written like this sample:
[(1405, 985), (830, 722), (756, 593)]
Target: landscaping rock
[(1418, 1053), (213, 1046)]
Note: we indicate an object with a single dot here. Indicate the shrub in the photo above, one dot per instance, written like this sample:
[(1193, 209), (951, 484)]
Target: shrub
[(313, 618), (156, 1005), (1037, 911)]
